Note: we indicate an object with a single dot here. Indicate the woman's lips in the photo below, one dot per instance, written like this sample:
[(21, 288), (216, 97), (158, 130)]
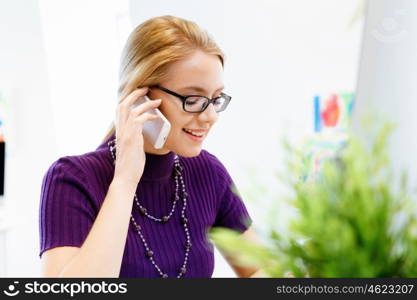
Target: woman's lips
[(195, 138)]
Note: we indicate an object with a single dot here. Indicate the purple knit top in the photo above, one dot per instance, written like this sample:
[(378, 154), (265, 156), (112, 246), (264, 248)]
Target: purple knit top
[(74, 188)]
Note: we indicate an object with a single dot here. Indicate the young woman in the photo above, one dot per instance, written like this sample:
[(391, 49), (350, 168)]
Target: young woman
[(128, 209)]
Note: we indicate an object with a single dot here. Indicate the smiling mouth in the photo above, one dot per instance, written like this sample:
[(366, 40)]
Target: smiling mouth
[(194, 133)]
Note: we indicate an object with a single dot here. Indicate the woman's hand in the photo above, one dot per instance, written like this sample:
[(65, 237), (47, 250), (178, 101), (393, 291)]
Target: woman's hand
[(130, 154)]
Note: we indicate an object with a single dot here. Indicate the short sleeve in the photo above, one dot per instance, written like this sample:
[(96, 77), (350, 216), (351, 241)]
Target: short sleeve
[(66, 212), (232, 212)]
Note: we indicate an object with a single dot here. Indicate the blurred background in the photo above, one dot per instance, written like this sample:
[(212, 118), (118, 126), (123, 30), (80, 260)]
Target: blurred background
[(58, 83)]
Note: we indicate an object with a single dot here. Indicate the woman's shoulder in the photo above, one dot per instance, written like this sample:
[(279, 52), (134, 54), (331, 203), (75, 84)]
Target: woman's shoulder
[(82, 165)]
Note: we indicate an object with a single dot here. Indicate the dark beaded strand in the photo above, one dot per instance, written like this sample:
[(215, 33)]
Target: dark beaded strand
[(148, 252)]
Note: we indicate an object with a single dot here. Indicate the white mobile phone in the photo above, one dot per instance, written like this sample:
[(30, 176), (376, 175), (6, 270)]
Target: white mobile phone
[(156, 131)]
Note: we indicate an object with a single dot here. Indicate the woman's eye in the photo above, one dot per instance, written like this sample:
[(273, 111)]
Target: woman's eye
[(194, 100), (191, 102), (217, 101)]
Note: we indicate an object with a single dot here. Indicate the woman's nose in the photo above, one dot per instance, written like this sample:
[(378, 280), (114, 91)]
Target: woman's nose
[(209, 114)]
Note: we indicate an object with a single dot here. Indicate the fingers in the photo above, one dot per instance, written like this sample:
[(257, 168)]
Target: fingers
[(134, 125), (131, 118), (144, 107), (123, 108), (136, 94), (140, 120)]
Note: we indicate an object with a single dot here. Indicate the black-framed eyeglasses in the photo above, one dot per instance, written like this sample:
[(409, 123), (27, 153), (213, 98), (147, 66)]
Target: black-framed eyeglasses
[(198, 103)]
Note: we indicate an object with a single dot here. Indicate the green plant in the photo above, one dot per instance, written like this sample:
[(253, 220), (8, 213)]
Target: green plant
[(355, 220)]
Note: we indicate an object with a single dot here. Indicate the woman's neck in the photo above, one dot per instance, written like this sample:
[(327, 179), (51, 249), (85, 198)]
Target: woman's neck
[(152, 150)]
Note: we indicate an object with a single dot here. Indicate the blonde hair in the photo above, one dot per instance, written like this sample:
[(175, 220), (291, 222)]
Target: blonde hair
[(153, 46)]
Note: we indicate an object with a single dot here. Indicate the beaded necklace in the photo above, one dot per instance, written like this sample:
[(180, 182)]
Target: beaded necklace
[(164, 220)]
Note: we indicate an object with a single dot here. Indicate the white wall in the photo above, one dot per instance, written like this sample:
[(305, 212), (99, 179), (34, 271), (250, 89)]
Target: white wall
[(30, 137), (53, 85), (388, 76), (61, 59), (83, 41)]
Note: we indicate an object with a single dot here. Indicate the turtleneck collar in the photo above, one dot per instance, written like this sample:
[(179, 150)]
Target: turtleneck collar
[(157, 167)]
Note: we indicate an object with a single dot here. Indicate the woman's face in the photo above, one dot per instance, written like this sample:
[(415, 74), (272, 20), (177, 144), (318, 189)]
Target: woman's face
[(198, 74)]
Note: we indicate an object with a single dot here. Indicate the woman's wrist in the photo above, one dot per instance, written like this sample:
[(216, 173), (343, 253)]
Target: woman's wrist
[(124, 184)]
